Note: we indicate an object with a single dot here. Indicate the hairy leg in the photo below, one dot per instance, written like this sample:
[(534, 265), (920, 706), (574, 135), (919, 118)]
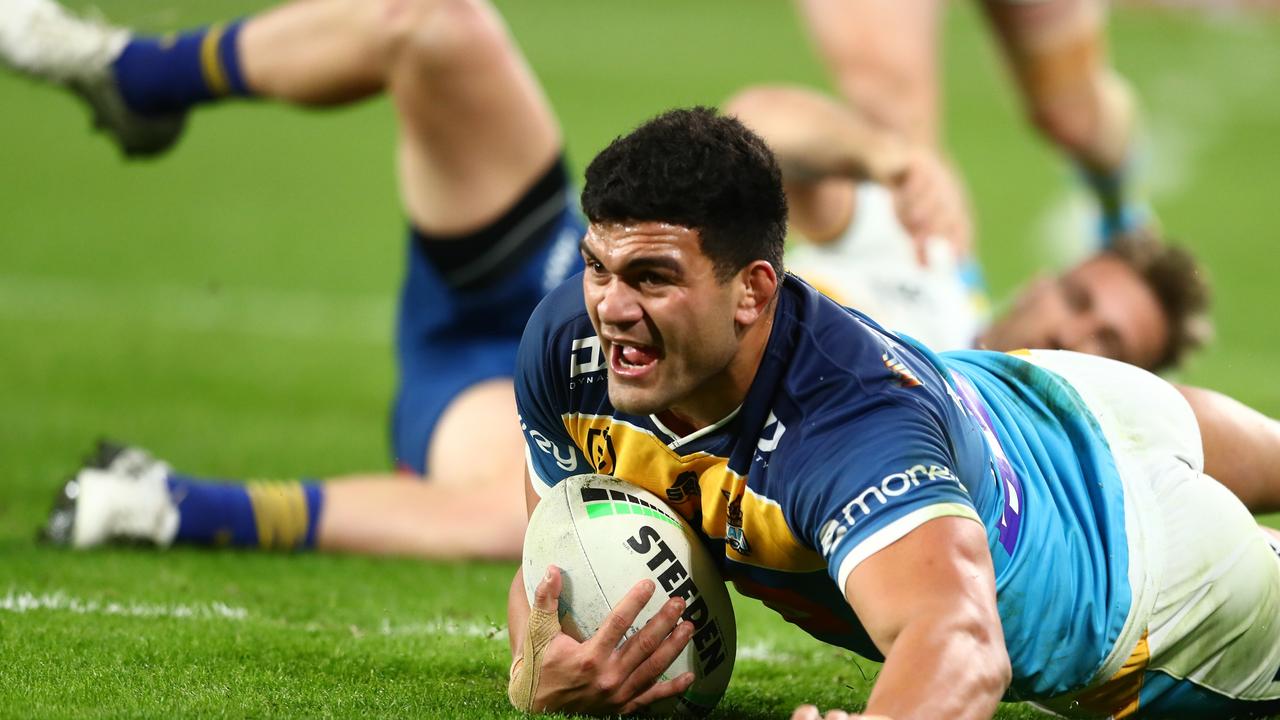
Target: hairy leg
[(1241, 447), (1058, 54)]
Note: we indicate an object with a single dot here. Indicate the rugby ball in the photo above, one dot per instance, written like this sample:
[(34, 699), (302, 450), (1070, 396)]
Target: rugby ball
[(606, 535)]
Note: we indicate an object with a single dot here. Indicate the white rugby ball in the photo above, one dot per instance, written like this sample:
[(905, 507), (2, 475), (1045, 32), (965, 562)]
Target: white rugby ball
[(606, 535)]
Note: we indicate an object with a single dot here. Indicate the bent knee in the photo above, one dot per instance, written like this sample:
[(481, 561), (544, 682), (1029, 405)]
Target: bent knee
[(438, 32)]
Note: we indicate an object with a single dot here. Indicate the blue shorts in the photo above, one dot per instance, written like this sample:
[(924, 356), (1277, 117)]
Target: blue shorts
[(461, 318)]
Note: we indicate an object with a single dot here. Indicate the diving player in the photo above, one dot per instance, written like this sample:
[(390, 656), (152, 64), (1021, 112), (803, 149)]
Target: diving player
[(492, 225), (1038, 526), (848, 183)]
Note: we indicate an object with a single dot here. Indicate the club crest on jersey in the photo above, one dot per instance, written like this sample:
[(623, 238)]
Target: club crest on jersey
[(902, 373), (600, 451), (733, 534)]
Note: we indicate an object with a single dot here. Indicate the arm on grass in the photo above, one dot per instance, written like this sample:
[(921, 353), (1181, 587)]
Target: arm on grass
[(928, 602)]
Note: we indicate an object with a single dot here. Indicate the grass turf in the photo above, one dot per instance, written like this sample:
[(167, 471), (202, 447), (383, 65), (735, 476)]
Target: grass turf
[(230, 306)]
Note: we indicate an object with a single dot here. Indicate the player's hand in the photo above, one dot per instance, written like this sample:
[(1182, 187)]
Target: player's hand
[(931, 203), (809, 712), (598, 676)]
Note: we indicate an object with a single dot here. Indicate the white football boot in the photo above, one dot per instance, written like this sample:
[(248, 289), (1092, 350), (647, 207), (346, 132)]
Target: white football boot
[(41, 39), (121, 495)]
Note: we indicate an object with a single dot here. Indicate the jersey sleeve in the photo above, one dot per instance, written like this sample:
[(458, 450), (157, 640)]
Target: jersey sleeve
[(543, 366), (865, 482)]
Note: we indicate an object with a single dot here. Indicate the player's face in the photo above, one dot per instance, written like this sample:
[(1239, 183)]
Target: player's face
[(666, 323), (1101, 307)]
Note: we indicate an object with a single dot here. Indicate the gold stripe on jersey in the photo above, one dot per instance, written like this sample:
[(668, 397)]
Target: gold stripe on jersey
[(699, 486), (1117, 697)]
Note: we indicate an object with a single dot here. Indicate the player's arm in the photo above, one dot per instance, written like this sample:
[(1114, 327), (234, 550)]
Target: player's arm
[(821, 143), (928, 602)]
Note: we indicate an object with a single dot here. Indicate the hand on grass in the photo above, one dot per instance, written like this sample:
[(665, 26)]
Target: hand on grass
[(598, 676)]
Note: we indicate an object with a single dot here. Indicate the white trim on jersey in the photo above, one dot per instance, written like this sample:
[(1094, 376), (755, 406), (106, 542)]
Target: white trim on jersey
[(895, 531)]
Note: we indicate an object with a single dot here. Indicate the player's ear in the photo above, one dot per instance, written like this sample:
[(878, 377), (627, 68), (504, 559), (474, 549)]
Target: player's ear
[(759, 286)]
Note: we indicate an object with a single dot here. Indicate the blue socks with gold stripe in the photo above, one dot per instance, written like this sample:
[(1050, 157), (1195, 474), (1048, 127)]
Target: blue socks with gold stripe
[(166, 75), (264, 515)]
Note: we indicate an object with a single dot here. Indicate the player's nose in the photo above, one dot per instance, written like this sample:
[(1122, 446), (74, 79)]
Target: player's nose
[(618, 304)]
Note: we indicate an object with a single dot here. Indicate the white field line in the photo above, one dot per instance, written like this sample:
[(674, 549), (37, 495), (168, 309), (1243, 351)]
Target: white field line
[(255, 312), (22, 602)]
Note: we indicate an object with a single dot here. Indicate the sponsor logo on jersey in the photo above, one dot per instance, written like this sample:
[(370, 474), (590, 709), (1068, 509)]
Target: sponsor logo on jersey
[(902, 373), (674, 580), (600, 451), (771, 434), (600, 502), (830, 535), (686, 486), (586, 356), (566, 460), (895, 485)]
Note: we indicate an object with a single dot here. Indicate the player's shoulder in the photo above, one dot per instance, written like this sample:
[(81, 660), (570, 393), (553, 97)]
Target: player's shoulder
[(840, 356)]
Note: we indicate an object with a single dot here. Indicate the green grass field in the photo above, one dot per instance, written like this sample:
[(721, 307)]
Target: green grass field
[(230, 306)]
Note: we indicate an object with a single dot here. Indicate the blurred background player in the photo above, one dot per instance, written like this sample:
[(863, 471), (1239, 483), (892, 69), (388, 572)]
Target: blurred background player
[(1140, 301), (1057, 52), (492, 226)]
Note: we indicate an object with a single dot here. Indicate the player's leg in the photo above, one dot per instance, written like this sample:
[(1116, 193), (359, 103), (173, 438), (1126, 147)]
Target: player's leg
[(1201, 638), (1241, 447), (883, 55), (1058, 54), (477, 511), (493, 230)]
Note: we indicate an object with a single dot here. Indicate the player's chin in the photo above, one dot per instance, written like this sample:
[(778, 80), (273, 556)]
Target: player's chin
[(635, 398)]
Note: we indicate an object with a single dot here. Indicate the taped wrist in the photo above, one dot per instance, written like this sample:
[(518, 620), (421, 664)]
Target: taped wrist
[(526, 669)]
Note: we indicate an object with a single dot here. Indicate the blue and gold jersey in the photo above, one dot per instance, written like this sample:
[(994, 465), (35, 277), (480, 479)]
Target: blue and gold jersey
[(849, 438)]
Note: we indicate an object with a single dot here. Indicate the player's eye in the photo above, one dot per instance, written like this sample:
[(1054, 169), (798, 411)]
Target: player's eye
[(652, 279)]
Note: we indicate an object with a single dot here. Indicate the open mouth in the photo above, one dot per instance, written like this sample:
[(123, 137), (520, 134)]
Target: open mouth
[(632, 361)]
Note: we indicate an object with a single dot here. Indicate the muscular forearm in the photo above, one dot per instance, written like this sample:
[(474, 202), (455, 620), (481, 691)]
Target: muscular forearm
[(943, 667)]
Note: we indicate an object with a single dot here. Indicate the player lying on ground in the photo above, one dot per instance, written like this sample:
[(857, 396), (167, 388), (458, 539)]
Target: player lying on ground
[(452, 149), (1056, 50), (1036, 526), (492, 227)]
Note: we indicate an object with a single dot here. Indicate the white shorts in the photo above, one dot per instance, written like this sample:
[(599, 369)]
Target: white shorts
[(1202, 638)]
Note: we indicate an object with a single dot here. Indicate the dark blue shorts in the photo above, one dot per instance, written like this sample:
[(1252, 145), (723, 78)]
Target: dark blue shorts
[(465, 303)]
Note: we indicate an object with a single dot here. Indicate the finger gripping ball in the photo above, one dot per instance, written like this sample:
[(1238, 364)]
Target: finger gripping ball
[(606, 535)]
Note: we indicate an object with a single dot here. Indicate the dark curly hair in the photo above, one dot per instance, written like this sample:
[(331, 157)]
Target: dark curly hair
[(695, 168)]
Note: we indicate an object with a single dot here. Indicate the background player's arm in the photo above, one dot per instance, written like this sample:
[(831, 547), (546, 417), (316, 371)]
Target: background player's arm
[(821, 144), (928, 602)]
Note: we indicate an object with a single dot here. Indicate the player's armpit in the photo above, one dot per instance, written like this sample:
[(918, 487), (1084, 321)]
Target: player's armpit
[(928, 601)]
